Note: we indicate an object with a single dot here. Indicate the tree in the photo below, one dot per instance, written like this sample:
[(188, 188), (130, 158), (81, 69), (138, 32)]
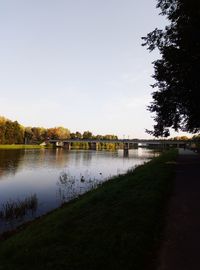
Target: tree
[(18, 133), (176, 98), (39, 134), (28, 134), (62, 133), (78, 135), (181, 138), (13, 133), (2, 129), (72, 135), (8, 134), (58, 133), (87, 135), (99, 137), (110, 137)]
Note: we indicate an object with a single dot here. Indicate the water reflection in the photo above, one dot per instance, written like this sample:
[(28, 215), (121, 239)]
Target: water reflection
[(10, 161), (126, 153), (45, 157)]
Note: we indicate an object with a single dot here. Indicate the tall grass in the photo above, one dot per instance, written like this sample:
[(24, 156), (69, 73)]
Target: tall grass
[(14, 210)]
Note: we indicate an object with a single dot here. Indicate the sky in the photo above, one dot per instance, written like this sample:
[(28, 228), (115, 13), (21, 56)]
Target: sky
[(78, 64)]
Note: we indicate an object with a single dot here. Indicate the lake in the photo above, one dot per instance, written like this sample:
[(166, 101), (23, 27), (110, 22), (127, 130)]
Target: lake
[(54, 176)]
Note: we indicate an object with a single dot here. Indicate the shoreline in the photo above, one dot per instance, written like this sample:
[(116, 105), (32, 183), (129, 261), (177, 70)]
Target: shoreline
[(22, 146)]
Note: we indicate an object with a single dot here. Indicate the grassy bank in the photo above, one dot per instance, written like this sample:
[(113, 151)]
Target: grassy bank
[(20, 146), (115, 227)]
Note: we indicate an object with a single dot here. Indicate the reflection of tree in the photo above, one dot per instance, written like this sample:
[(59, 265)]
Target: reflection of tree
[(87, 156), (53, 158), (81, 157), (9, 161)]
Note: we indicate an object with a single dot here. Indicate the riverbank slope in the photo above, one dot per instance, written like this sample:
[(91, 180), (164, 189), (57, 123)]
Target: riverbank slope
[(116, 226)]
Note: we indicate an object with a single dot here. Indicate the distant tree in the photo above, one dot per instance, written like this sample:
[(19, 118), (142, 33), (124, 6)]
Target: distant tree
[(78, 135), (110, 137), (2, 129), (182, 138), (63, 133), (18, 133), (87, 135), (8, 135), (51, 133), (58, 133), (73, 135), (176, 98), (39, 134), (28, 134), (99, 137), (13, 132)]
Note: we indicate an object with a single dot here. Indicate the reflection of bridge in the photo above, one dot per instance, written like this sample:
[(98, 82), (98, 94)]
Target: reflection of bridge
[(127, 144)]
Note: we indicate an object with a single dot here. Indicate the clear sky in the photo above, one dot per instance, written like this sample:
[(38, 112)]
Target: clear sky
[(77, 64)]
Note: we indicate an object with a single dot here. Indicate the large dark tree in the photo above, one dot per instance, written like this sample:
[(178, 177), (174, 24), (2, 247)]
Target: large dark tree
[(176, 98)]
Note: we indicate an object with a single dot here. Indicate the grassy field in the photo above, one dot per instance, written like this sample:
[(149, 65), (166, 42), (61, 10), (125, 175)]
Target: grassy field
[(20, 146), (117, 226)]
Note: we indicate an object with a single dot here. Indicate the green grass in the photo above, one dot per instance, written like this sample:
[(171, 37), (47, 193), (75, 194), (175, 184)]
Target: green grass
[(20, 146), (118, 226)]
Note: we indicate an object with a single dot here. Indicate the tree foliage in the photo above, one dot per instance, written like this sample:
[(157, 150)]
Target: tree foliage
[(87, 135), (58, 133), (176, 96), (11, 132)]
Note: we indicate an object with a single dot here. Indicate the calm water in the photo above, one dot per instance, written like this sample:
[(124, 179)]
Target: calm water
[(57, 175)]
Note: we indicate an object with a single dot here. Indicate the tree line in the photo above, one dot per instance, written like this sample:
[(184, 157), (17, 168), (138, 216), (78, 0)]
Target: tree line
[(12, 132)]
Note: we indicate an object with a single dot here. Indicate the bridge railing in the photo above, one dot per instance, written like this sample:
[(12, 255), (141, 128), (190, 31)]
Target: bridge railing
[(136, 141)]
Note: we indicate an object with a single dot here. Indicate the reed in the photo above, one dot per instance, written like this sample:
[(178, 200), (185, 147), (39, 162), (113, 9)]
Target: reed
[(13, 210)]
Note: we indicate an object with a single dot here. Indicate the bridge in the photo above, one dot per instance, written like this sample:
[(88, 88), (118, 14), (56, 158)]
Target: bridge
[(127, 144)]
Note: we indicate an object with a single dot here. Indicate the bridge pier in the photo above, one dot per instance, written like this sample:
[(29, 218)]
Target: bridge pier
[(54, 144), (57, 144), (126, 152), (126, 146), (93, 145), (67, 145)]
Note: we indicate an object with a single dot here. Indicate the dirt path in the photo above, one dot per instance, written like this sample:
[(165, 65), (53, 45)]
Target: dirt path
[(181, 247)]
